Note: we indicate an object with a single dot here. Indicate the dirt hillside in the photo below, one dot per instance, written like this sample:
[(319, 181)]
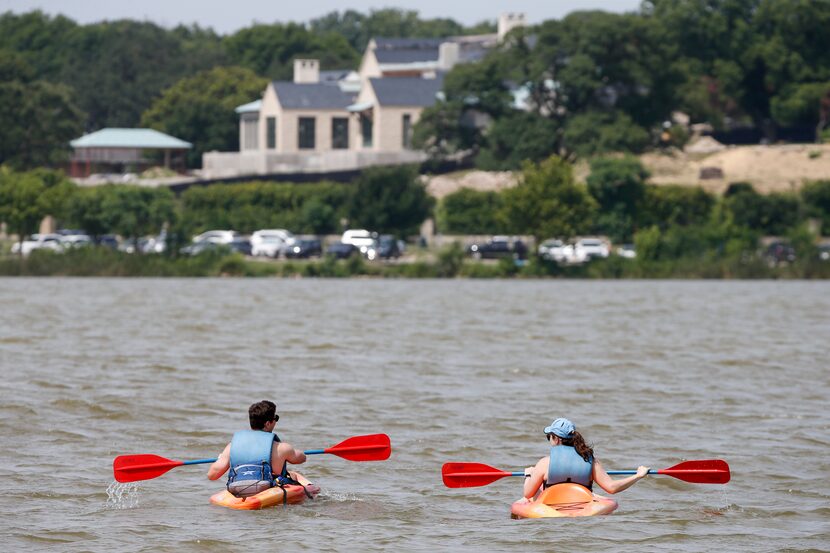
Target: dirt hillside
[(775, 168)]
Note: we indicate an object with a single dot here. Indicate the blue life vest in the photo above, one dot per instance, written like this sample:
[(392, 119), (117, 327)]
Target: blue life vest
[(250, 471), (566, 465)]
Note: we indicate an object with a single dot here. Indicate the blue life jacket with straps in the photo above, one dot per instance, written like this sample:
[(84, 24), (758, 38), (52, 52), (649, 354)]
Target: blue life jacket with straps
[(250, 463), (566, 465)]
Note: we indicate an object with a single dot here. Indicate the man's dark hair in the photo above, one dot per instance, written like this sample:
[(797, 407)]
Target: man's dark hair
[(260, 413)]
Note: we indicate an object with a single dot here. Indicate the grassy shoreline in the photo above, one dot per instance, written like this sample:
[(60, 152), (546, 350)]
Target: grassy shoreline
[(97, 262)]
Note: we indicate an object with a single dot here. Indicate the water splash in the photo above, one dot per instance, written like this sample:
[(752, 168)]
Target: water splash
[(724, 498), (122, 496), (339, 496)]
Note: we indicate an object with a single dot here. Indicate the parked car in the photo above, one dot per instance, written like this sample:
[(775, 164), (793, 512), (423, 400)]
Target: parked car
[(37, 242), (241, 245), (304, 248), (627, 251), (108, 241), (779, 252), (552, 250), (364, 240), (586, 249), (824, 252), (389, 247), (492, 249), (341, 250), (75, 240), (197, 248), (216, 236), (270, 242)]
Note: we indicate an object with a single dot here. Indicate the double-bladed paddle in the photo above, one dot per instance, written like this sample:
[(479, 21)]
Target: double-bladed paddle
[(469, 475), (131, 468)]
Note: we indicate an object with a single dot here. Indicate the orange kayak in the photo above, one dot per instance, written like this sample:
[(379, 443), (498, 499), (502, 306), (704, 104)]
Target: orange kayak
[(289, 494), (563, 500)]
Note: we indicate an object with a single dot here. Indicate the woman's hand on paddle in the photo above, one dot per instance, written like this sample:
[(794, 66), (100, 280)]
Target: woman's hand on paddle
[(642, 471)]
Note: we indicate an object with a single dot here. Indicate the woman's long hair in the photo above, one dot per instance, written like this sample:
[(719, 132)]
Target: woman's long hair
[(578, 443)]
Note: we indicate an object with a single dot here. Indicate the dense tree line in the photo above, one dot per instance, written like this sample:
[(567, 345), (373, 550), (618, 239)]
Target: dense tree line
[(616, 201), (592, 82), (665, 222), (596, 82), (127, 73), (389, 200)]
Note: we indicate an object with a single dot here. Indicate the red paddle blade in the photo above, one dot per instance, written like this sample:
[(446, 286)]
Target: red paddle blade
[(470, 475), (372, 447), (709, 471), (131, 468)]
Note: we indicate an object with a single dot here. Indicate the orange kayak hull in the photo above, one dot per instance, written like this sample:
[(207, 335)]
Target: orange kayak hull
[(564, 500), (288, 495)]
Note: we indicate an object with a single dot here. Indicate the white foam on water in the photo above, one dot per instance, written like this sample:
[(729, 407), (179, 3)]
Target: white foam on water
[(338, 496), (122, 496)]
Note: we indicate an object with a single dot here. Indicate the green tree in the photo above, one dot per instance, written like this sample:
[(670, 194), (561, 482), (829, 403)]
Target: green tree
[(773, 214), (473, 96), (548, 202), (358, 28), (37, 118), (618, 186), (246, 207), (597, 132), (469, 211), (390, 200), (665, 206), (135, 211), (816, 197), (516, 138), (270, 50), (26, 198), (200, 109)]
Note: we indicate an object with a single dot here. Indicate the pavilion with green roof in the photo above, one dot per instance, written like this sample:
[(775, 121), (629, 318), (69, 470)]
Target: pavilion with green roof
[(125, 148)]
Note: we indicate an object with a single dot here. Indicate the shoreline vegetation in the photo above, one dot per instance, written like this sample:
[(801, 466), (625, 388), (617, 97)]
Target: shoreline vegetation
[(450, 262)]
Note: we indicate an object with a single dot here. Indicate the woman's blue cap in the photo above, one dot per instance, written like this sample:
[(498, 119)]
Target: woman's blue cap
[(562, 428)]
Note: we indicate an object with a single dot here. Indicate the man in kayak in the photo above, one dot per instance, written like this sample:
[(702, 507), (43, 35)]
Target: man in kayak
[(253, 455), (572, 460)]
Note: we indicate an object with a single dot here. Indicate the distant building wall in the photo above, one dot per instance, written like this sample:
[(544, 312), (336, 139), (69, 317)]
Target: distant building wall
[(389, 123), (219, 165)]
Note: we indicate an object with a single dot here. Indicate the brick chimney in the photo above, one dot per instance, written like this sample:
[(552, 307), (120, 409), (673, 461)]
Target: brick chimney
[(306, 71)]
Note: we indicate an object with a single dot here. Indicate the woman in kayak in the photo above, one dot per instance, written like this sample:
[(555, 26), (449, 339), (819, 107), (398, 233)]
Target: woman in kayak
[(572, 460)]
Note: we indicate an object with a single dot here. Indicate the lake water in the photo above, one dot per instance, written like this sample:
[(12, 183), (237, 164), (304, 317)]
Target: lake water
[(651, 373)]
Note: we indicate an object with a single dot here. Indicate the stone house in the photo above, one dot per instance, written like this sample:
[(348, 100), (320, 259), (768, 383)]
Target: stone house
[(325, 121)]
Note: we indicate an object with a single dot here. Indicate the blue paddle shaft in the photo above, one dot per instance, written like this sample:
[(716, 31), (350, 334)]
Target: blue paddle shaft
[(314, 451), (652, 471)]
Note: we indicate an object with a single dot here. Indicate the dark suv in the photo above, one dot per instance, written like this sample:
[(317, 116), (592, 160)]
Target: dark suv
[(304, 248), (492, 249), (388, 247)]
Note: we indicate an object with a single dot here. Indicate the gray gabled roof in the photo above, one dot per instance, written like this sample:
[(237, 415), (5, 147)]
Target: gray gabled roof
[(384, 43), (310, 96), (407, 91), (407, 50)]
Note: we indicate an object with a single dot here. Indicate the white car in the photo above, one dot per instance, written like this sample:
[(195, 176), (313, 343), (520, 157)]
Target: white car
[(216, 236), (586, 249), (364, 240), (270, 242), (553, 250), (627, 251), (37, 242), (75, 240)]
